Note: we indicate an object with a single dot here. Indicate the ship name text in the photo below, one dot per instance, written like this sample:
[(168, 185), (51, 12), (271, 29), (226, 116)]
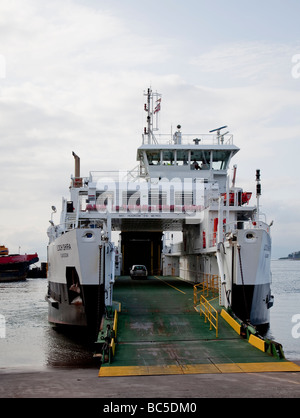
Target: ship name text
[(64, 247)]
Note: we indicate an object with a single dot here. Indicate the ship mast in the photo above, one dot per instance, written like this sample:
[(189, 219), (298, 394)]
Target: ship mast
[(258, 192), (152, 107)]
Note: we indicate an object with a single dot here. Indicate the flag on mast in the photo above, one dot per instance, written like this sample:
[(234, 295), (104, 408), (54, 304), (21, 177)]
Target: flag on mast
[(157, 107)]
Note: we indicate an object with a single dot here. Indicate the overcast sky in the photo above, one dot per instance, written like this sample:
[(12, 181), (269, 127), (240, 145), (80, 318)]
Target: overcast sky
[(72, 77)]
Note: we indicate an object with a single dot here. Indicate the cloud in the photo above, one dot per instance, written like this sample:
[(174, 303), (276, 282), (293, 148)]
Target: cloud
[(73, 77), (59, 42), (74, 81), (248, 62)]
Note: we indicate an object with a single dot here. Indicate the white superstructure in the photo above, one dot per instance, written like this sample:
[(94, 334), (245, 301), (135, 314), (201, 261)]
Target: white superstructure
[(181, 184)]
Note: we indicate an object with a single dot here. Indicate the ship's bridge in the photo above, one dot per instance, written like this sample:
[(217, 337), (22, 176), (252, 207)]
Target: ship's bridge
[(186, 156)]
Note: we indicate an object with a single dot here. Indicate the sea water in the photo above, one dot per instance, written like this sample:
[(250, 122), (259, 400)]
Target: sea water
[(28, 341), (285, 314)]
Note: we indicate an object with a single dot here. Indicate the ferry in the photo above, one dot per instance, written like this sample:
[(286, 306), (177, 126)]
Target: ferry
[(183, 184), (15, 267)]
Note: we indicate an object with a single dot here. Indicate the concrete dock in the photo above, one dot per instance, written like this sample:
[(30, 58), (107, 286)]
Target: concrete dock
[(173, 353), (79, 383)]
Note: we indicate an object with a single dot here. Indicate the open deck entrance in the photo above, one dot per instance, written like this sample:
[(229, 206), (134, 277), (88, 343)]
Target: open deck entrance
[(139, 247)]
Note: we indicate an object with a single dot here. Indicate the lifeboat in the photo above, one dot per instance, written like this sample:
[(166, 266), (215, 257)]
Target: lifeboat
[(245, 198)]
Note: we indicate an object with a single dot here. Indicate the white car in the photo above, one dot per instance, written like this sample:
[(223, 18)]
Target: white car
[(138, 271)]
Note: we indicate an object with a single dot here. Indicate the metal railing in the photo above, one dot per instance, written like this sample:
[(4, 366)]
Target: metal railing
[(209, 283), (210, 313), (249, 224), (114, 334), (190, 139), (208, 287)]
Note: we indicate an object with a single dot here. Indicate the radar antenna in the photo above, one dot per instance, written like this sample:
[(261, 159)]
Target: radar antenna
[(219, 136)]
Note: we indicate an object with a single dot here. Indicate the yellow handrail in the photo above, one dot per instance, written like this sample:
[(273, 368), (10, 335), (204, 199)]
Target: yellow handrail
[(115, 326), (113, 343), (210, 313), (210, 283)]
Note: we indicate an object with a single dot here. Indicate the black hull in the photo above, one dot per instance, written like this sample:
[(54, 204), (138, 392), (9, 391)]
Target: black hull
[(13, 272), (251, 303), (65, 309), (12, 277)]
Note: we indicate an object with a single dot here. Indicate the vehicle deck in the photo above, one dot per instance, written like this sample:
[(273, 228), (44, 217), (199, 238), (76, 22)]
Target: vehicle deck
[(159, 332)]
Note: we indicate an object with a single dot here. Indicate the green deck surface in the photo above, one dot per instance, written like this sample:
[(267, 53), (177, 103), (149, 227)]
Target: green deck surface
[(160, 332)]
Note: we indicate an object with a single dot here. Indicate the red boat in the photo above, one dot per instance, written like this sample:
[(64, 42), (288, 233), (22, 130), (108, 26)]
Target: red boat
[(15, 267)]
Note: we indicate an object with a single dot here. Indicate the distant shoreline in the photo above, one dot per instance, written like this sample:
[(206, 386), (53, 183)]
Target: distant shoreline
[(289, 258), (292, 256)]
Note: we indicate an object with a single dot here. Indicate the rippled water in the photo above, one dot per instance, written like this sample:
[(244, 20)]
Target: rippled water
[(286, 290), (31, 342)]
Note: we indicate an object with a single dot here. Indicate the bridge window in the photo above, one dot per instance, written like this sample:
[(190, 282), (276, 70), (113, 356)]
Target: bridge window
[(220, 160), (153, 157), (182, 157), (168, 157), (202, 158)]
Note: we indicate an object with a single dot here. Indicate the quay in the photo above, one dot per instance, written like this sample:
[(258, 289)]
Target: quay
[(164, 350), (159, 332), (83, 383)]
